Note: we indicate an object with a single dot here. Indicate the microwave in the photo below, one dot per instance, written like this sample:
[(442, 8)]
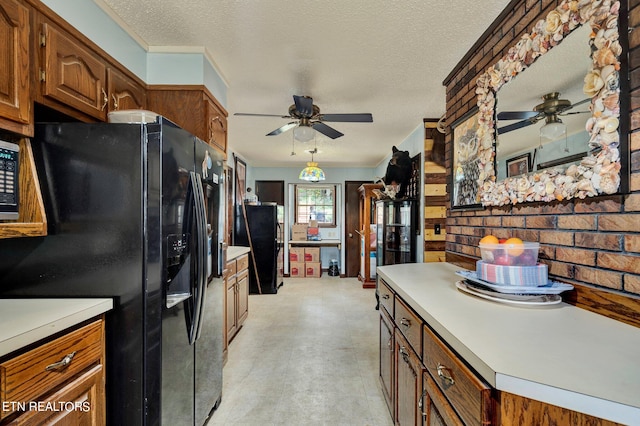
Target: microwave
[(9, 178)]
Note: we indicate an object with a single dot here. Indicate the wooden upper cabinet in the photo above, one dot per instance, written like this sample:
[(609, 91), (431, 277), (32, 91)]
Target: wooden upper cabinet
[(72, 74), (124, 92), (194, 109), (15, 105), (217, 125)]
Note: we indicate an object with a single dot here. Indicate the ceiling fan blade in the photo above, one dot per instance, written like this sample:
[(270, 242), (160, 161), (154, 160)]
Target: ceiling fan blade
[(580, 102), (574, 112), (347, 118), (515, 126), (262, 115), (283, 128), (516, 115), (304, 105), (326, 130)]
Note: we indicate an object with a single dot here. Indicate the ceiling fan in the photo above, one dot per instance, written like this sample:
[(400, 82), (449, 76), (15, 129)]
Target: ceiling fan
[(308, 116), (550, 109)]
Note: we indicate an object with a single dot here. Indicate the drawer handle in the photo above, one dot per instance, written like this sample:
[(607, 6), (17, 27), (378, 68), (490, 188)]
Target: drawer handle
[(405, 322), (61, 364), (404, 353), (445, 374), (385, 296), (421, 404), (407, 359)]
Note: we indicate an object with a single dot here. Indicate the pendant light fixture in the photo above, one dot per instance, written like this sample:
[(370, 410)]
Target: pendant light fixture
[(312, 173)]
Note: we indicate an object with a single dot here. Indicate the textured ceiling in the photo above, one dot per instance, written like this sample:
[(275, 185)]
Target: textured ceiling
[(388, 58)]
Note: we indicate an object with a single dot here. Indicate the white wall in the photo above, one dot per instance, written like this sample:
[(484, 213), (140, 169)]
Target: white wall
[(190, 67)]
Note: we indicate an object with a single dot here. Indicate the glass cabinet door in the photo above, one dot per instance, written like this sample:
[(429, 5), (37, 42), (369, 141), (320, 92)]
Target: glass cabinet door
[(396, 232)]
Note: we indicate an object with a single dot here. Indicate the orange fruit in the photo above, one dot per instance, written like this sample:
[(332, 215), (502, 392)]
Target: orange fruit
[(489, 239), (516, 246)]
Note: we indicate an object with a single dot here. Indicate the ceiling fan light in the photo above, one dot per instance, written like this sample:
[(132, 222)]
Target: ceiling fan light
[(553, 130), (303, 133), (312, 173)]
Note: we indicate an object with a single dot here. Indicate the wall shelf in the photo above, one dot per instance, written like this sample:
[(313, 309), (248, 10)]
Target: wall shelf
[(32, 221)]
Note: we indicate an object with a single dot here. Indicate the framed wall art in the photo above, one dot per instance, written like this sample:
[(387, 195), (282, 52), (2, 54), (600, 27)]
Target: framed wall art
[(519, 165), (465, 164)]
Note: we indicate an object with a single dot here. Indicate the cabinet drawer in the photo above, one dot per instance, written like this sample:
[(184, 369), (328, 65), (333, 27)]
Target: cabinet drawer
[(409, 324), (29, 376), (86, 393), (386, 296), (467, 393), (242, 262), (231, 268), (242, 274)]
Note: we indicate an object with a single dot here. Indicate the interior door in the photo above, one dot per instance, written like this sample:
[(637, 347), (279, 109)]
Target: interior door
[(352, 223)]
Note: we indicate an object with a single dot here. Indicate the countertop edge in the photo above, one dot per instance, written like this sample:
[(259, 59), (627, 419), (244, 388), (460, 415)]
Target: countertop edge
[(233, 252), (90, 308), (615, 411)]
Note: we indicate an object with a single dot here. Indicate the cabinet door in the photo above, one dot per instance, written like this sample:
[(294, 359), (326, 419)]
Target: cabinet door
[(231, 307), (243, 297), (216, 126), (387, 348), (14, 68), (73, 75), (436, 411), (408, 373), (124, 93)]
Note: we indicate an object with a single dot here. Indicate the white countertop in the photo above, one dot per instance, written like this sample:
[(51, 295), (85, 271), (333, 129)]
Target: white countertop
[(25, 321), (236, 251), (323, 242), (560, 354)]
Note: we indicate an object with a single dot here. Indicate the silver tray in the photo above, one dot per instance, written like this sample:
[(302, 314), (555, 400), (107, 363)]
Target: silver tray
[(531, 300), (553, 287)]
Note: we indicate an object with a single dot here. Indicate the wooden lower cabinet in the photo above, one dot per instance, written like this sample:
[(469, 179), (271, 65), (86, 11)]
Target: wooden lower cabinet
[(243, 296), (408, 377), (439, 388), (59, 382), (516, 410), (469, 395), (387, 359), (237, 295), (230, 303)]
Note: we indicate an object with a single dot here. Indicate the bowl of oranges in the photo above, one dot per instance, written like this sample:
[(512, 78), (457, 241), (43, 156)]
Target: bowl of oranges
[(508, 251)]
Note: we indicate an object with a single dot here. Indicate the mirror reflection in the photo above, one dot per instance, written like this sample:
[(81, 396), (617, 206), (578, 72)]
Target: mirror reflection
[(541, 114), (604, 168)]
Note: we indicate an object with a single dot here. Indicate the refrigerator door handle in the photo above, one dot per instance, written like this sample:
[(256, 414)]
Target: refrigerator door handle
[(202, 248), (199, 279)]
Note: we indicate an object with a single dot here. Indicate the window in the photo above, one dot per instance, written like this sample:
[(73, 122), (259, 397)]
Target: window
[(316, 202)]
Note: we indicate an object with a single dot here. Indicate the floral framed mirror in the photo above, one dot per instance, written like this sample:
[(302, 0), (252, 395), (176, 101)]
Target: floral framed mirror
[(597, 167)]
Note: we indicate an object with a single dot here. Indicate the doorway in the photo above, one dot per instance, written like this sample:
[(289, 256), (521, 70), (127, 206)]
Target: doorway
[(352, 227)]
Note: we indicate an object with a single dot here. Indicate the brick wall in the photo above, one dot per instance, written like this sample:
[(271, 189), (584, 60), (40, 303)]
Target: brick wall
[(594, 241)]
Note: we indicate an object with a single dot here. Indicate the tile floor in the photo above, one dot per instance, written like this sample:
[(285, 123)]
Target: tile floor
[(306, 356)]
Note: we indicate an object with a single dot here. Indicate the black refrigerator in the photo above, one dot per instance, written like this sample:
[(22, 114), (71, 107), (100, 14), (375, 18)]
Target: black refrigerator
[(265, 275), (134, 213)]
